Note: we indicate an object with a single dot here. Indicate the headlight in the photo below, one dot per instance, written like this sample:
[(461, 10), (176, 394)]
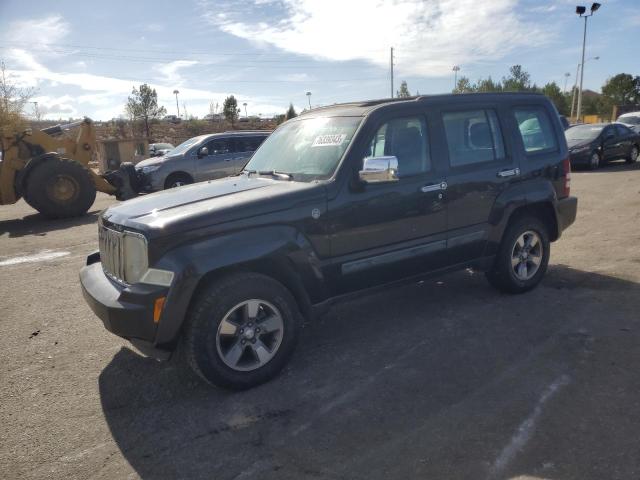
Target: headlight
[(136, 259), (150, 168)]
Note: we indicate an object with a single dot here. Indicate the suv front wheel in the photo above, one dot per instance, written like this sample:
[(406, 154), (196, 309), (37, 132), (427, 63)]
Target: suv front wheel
[(523, 256), (241, 331)]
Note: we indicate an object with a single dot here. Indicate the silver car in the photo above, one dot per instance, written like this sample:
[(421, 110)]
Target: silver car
[(206, 157)]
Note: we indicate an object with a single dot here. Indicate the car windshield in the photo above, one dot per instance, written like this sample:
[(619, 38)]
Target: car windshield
[(630, 120), (583, 132), (307, 149), (186, 145)]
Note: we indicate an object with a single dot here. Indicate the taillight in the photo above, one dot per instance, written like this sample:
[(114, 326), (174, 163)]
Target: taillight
[(566, 169)]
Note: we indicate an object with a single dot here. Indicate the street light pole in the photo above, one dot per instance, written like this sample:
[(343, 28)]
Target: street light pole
[(245, 109), (309, 98), (456, 69), (176, 92), (566, 79), (580, 11)]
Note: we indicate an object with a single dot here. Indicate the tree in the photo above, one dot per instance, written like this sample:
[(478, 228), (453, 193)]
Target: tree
[(518, 80), (13, 99), (143, 105), (291, 112), (622, 89), (230, 109), (404, 90), (552, 90), (488, 85), (464, 86)]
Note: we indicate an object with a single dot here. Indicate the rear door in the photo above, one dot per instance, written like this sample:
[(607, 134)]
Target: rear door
[(480, 169), (625, 139), (217, 163)]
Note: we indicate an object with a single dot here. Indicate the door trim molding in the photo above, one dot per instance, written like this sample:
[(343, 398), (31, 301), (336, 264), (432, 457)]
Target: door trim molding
[(392, 257)]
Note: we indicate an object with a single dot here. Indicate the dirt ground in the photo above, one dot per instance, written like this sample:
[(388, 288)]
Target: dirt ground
[(443, 379)]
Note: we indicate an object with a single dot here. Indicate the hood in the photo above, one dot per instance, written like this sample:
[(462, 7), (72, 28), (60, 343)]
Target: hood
[(205, 204), (155, 160)]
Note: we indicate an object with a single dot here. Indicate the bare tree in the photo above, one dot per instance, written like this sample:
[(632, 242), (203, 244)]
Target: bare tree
[(13, 99)]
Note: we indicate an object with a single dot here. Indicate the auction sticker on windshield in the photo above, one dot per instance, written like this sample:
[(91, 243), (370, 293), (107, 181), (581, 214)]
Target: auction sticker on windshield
[(329, 140)]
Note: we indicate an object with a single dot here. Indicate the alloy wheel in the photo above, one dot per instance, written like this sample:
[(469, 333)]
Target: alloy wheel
[(249, 335), (594, 162), (526, 255)]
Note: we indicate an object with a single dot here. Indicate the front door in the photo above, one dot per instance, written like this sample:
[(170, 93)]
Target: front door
[(480, 168), (243, 150), (383, 231), (217, 162)]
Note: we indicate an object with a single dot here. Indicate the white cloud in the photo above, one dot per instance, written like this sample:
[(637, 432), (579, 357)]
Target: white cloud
[(169, 71), (38, 32), (429, 36)]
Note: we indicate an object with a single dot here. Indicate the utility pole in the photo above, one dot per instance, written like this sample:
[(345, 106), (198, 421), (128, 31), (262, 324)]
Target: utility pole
[(575, 92), (580, 11), (391, 64)]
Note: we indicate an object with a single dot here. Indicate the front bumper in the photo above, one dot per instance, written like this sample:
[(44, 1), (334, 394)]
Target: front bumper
[(126, 311), (566, 211)]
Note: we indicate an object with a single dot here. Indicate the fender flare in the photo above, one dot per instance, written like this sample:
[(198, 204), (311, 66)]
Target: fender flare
[(281, 252), (536, 195)]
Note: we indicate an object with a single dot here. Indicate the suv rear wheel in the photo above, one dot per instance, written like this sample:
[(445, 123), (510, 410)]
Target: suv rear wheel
[(523, 256), (241, 331)]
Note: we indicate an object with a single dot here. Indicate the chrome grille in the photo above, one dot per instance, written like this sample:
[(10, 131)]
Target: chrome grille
[(111, 252)]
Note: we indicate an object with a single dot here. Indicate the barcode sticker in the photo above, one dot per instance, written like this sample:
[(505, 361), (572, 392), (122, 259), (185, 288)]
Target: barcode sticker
[(329, 140)]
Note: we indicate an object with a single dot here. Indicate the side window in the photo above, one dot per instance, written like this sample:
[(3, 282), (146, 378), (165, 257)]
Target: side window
[(473, 137), (407, 140), (218, 146), (622, 131), (536, 129)]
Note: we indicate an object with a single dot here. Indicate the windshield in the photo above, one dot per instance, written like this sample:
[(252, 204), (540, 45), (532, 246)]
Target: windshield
[(583, 132), (186, 145), (307, 149), (630, 120)]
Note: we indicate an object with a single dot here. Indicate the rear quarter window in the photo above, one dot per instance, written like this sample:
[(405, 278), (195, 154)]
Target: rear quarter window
[(536, 130)]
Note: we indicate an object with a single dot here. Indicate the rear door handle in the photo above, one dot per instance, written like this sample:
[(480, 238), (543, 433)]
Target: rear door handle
[(436, 187), (511, 172)]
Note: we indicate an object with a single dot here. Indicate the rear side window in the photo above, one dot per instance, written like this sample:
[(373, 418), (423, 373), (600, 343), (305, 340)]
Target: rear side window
[(406, 139), (536, 129), (473, 137)]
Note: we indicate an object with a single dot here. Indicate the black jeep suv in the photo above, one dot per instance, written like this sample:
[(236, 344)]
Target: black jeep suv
[(337, 200)]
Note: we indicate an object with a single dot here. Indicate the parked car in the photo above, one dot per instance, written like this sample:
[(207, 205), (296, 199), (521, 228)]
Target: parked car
[(591, 145), (631, 120), (340, 199), (160, 149), (172, 119), (200, 158)]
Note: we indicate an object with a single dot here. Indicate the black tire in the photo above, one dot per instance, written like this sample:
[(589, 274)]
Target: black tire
[(503, 275), (200, 336), (633, 154), (177, 180), (60, 188), (595, 160)]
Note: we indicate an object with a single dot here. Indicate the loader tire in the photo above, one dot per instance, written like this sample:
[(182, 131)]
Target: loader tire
[(60, 188)]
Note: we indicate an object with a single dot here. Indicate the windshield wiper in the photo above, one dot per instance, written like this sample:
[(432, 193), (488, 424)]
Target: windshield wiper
[(272, 173)]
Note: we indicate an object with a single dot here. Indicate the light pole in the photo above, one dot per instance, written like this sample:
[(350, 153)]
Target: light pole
[(575, 87), (245, 109), (176, 92), (566, 79), (309, 98), (581, 12), (456, 69)]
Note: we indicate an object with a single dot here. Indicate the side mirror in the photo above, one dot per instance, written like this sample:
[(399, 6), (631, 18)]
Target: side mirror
[(203, 152), (379, 170)]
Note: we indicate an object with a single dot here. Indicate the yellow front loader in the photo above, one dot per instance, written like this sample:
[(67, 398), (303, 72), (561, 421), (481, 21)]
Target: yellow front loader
[(51, 171)]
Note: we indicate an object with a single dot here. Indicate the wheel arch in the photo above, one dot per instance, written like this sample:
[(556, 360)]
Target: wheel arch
[(279, 252), (23, 175), (177, 173)]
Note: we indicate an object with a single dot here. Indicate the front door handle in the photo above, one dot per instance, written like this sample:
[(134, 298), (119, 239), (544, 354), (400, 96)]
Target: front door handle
[(511, 172), (436, 187)]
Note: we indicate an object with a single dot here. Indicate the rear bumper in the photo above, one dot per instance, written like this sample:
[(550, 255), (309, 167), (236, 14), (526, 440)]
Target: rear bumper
[(124, 311), (566, 211)]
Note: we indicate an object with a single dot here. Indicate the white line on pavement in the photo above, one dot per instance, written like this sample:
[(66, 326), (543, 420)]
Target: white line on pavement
[(525, 430), (36, 257)]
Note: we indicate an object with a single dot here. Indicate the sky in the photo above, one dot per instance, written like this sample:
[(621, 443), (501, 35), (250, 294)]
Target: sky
[(83, 58)]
